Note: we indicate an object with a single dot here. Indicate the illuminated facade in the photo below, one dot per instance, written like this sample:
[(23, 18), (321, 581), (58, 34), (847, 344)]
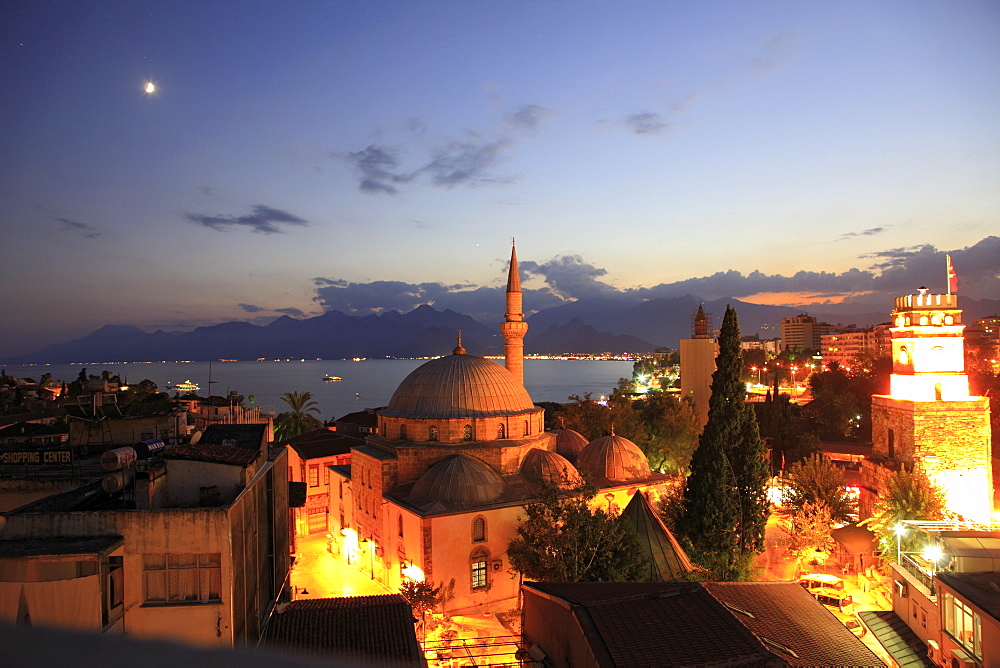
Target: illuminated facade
[(698, 364), (929, 419), (440, 487)]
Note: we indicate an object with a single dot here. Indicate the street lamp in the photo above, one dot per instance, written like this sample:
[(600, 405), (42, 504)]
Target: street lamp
[(933, 554), (370, 548), (900, 529)]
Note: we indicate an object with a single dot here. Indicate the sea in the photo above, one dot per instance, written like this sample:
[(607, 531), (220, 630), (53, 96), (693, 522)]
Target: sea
[(366, 383)]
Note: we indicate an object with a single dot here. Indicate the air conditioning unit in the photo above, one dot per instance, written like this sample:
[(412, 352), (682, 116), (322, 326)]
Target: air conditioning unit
[(959, 659), (497, 564)]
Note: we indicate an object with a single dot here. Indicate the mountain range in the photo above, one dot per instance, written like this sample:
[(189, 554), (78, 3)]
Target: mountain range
[(594, 325)]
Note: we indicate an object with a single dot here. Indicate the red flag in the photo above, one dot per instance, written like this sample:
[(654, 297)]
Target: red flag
[(952, 277)]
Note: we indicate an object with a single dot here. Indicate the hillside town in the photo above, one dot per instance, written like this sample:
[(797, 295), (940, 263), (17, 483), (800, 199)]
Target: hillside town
[(823, 499)]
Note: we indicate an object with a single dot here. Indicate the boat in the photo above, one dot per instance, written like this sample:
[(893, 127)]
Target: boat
[(329, 377), (186, 386)]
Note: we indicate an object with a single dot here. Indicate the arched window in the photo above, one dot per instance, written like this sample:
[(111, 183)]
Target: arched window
[(399, 524), (478, 564), (467, 432), (501, 432), (402, 432), (526, 431), (432, 434), (479, 530)]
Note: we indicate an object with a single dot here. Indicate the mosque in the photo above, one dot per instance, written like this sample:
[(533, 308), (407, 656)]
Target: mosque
[(438, 491)]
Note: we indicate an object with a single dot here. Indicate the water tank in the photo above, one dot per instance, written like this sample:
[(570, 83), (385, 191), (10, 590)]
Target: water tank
[(146, 449), (112, 460), (117, 481)]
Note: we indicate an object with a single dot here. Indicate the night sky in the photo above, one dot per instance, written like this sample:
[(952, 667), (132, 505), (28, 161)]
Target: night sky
[(363, 156)]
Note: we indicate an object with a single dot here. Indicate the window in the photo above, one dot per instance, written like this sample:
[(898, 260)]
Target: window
[(182, 578), (526, 432), (892, 444), (478, 530), (326, 475), (479, 574), (501, 432), (314, 475), (963, 624), (432, 434), (402, 432), (399, 525), (467, 432)]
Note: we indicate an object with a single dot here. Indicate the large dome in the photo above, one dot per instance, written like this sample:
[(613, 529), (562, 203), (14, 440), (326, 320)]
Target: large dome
[(544, 466), (569, 443), (615, 458), (458, 479), (459, 386)]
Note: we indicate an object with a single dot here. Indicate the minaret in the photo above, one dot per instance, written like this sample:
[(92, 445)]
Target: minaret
[(514, 328), (698, 363)]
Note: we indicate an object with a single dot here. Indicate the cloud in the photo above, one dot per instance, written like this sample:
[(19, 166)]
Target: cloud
[(290, 310), (864, 233), (647, 123), (529, 118), (566, 278), (251, 308), (378, 167), (777, 49), (84, 229), (263, 219), (468, 163), (470, 160), (570, 277)]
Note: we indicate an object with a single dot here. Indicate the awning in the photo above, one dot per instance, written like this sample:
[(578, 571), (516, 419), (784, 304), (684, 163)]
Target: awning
[(896, 637)]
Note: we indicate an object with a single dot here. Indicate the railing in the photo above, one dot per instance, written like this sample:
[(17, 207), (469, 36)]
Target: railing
[(920, 573)]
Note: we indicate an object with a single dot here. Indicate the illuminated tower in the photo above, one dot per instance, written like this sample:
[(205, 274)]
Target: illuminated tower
[(698, 364), (514, 328), (928, 419)]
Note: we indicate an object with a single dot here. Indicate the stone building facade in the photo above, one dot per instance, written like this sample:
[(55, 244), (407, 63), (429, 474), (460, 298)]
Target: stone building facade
[(929, 420)]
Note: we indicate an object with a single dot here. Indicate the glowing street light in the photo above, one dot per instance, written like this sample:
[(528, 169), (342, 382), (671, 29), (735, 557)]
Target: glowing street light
[(933, 554), (413, 572)]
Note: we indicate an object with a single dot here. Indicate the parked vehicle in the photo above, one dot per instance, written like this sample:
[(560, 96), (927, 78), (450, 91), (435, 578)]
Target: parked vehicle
[(817, 580)]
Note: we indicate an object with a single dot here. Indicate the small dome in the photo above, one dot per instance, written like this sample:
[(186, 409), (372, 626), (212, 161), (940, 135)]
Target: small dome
[(544, 466), (569, 443), (459, 386), (458, 479), (615, 458)]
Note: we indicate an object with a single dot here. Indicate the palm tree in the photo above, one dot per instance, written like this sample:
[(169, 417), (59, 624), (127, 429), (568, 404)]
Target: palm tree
[(298, 421)]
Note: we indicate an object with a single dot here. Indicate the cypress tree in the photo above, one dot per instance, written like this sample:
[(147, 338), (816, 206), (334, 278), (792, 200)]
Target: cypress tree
[(725, 498)]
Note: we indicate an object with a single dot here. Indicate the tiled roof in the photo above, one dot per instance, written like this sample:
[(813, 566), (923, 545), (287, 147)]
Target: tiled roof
[(208, 452), (323, 443), (677, 623), (365, 418), (249, 436), (657, 624), (371, 629), (785, 613)]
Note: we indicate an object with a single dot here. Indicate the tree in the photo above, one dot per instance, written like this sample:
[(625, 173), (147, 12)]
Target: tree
[(908, 495), (586, 416), (421, 595), (816, 480), (725, 499), (670, 431), (810, 532), (298, 420), (561, 540)]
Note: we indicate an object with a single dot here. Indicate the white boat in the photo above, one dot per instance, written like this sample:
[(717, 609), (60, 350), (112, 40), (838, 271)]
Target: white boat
[(186, 386), (329, 377)]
